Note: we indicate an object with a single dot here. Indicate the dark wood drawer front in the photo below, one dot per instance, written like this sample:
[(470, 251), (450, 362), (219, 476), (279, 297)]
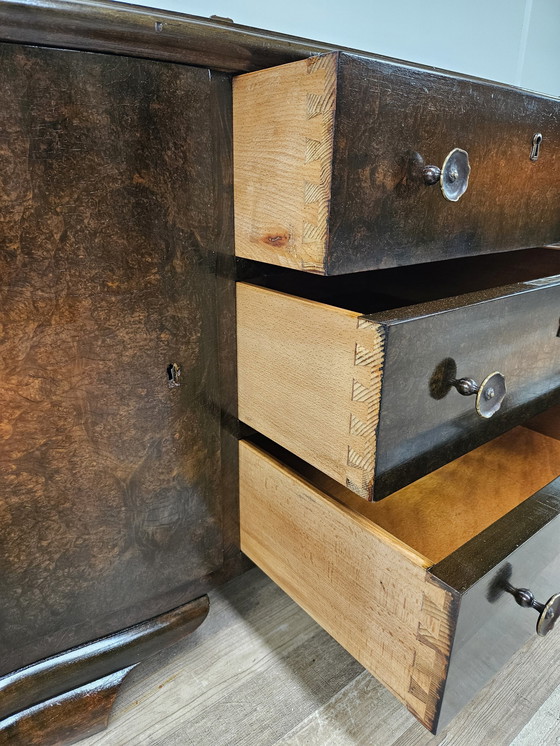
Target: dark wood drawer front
[(368, 399), (521, 549), (363, 131), (424, 422)]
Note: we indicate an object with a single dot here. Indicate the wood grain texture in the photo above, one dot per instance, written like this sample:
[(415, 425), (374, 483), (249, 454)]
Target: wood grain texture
[(260, 672), (222, 243), (131, 30), (212, 696), (352, 577), (543, 727), (67, 718), (354, 394), (111, 509), (310, 378), (283, 163), (354, 573), (392, 120)]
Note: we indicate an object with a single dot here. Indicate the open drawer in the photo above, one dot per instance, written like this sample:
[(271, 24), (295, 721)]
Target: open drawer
[(344, 163), (363, 377), (419, 587)]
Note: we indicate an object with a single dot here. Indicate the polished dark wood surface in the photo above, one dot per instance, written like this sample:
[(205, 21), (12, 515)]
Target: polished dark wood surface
[(99, 483), (391, 121), (226, 406), (429, 345), (53, 676), (140, 31), (111, 480), (65, 719), (65, 698), (490, 625)]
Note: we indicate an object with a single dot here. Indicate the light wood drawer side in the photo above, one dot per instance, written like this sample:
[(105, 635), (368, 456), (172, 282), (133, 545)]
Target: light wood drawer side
[(283, 123), (368, 590), (310, 379)]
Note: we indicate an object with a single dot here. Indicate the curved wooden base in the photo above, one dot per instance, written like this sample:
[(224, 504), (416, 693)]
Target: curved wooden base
[(63, 699), (67, 718)]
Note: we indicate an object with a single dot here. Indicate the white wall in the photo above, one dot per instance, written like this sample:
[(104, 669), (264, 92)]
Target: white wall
[(513, 41)]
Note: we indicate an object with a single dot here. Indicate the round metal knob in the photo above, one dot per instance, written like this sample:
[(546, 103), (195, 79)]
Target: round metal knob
[(548, 612), (431, 174), (489, 395), (453, 176)]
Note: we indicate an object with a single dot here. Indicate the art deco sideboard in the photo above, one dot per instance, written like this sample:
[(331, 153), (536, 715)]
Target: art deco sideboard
[(364, 400)]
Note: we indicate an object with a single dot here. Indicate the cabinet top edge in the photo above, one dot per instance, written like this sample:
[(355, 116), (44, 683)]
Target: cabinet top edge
[(140, 31)]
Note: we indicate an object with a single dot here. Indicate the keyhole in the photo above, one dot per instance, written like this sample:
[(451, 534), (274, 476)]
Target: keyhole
[(536, 146), (173, 375)]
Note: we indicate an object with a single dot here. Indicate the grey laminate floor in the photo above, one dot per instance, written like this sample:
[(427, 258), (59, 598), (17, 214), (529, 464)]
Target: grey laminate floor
[(260, 672)]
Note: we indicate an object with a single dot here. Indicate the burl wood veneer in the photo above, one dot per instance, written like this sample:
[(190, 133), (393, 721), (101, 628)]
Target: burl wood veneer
[(113, 204)]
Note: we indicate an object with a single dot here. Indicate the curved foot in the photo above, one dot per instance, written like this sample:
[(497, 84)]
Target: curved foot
[(63, 699)]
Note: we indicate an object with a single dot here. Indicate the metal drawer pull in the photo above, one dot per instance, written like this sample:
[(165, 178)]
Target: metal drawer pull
[(548, 612), (489, 395), (453, 176)]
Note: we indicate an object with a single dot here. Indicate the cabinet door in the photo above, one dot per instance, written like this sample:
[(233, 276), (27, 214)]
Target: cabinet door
[(110, 507)]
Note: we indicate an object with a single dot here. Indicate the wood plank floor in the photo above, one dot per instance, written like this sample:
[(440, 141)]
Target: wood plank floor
[(260, 672)]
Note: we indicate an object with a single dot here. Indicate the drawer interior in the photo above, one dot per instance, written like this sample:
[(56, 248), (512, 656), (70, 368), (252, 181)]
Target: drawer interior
[(384, 290), (440, 512), (402, 584)]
